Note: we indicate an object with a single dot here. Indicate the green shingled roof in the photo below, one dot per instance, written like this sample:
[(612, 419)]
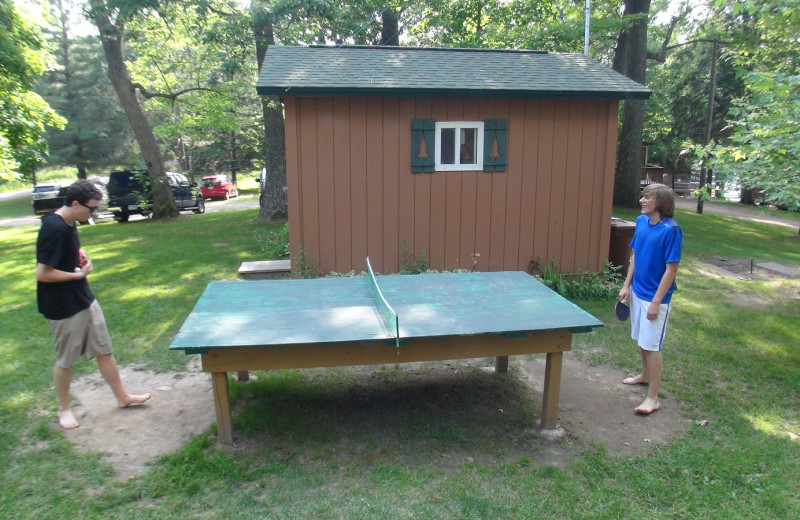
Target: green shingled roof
[(436, 72)]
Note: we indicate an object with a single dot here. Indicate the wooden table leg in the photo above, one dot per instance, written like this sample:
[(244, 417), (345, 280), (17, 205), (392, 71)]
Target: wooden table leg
[(552, 386), (243, 376), (501, 364), (222, 404)]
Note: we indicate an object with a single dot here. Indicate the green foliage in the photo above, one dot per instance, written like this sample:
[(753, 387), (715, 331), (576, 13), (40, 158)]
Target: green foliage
[(143, 198), (757, 145), (323, 22), (551, 25), (765, 37), (20, 46), (274, 243), (305, 266), (408, 265), (201, 63), (583, 285), (97, 134), (764, 150), (23, 114), (675, 113)]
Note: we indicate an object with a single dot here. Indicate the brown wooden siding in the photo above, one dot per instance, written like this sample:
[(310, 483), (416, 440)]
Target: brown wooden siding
[(352, 194)]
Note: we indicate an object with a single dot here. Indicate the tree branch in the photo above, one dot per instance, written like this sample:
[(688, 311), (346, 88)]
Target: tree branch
[(149, 95), (699, 40), (661, 55)]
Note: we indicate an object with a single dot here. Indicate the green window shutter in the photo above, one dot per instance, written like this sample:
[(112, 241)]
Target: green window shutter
[(495, 132), (423, 144)]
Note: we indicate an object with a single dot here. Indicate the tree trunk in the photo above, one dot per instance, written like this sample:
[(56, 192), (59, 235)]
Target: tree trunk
[(627, 179), (390, 27), (234, 157), (272, 202), (632, 62), (118, 73), (712, 81)]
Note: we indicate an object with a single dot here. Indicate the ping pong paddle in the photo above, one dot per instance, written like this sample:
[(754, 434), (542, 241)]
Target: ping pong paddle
[(622, 311)]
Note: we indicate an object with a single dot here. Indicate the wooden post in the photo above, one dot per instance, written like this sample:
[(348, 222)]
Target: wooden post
[(222, 404), (552, 387), (501, 364)]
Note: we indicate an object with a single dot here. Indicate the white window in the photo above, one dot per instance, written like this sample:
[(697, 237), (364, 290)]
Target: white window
[(459, 145)]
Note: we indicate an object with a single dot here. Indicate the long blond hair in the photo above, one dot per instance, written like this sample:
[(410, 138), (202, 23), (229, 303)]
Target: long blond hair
[(665, 198)]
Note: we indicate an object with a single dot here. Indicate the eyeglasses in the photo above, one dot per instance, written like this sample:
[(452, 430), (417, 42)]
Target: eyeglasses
[(92, 209)]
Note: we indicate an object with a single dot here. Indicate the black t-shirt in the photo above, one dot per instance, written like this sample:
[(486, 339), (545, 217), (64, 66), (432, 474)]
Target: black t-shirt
[(58, 246)]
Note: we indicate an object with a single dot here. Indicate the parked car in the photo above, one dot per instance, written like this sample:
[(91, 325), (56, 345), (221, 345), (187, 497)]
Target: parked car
[(218, 187), (129, 194), (49, 196)]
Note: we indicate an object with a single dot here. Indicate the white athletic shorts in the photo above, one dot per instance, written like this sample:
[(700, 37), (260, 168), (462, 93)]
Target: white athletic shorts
[(648, 333)]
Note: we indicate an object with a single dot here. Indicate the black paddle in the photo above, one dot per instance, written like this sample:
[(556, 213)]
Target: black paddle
[(622, 311)]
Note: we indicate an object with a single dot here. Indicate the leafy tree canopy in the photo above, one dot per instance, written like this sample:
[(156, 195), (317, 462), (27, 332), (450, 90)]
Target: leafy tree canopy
[(196, 65), (763, 150), (23, 114)]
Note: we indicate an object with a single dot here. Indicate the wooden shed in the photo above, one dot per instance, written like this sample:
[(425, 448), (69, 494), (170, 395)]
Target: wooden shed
[(478, 159)]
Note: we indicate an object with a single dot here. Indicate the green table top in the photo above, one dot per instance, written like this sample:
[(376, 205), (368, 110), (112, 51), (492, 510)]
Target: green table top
[(263, 313)]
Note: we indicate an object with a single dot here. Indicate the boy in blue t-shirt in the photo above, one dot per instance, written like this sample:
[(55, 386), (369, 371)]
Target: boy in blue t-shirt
[(650, 283)]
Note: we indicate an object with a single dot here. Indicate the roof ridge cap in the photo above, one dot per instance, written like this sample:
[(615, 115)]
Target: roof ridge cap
[(413, 49)]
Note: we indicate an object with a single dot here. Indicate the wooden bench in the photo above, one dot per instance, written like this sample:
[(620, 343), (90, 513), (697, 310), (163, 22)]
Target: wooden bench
[(264, 269)]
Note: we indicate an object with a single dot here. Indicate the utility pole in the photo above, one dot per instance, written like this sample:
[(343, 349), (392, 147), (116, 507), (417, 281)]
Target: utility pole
[(587, 17)]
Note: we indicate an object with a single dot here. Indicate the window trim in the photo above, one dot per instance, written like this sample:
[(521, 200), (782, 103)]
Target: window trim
[(459, 125)]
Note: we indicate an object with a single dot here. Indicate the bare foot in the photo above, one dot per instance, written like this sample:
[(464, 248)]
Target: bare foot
[(66, 420), (133, 399), (638, 380), (647, 407)]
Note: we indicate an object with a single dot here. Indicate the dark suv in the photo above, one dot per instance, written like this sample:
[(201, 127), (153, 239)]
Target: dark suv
[(129, 194)]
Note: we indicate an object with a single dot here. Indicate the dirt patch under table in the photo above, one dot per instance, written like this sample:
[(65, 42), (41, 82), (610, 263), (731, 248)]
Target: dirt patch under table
[(595, 408)]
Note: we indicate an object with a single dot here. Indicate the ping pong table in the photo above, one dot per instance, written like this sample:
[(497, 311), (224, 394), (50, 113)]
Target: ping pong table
[(365, 320)]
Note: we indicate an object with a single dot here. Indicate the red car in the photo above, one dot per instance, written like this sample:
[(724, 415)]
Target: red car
[(218, 187)]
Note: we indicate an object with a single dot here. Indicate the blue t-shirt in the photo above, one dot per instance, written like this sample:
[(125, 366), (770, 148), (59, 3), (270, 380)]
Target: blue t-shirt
[(654, 246)]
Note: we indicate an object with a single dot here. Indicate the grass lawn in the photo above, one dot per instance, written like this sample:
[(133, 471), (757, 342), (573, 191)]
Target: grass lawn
[(15, 208), (731, 359)]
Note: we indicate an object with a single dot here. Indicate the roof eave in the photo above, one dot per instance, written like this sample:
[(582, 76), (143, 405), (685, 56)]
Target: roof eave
[(290, 91)]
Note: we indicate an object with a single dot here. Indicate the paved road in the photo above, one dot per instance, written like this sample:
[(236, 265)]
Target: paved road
[(211, 207), (9, 195), (741, 211)]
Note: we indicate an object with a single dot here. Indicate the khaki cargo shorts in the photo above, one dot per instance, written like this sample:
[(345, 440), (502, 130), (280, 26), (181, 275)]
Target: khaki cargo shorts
[(84, 334)]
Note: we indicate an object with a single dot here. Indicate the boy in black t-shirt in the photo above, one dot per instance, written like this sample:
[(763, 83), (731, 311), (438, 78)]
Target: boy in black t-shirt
[(64, 298)]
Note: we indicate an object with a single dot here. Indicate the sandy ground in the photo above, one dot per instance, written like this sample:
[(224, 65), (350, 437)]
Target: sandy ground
[(595, 408), (131, 438)]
